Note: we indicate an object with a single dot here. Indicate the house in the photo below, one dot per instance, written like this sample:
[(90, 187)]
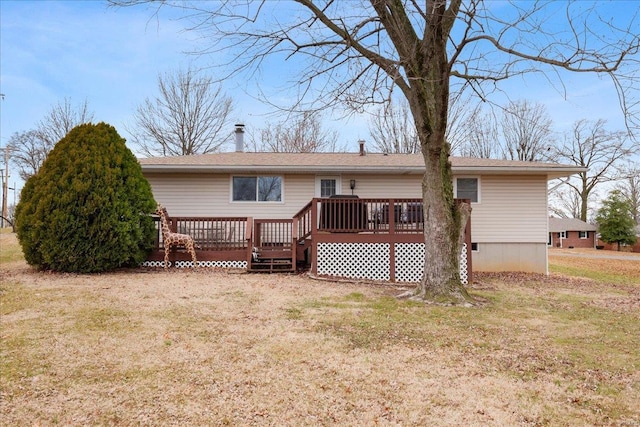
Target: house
[(509, 227), (628, 248), (571, 233)]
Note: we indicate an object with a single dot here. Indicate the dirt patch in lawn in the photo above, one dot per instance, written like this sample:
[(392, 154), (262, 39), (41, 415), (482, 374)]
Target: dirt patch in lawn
[(216, 347)]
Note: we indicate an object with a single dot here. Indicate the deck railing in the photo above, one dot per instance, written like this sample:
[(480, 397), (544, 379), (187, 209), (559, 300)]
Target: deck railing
[(354, 215), (303, 220), (333, 236), (346, 233), (273, 232), (210, 233)]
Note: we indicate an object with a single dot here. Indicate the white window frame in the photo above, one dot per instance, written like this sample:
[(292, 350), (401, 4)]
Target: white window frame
[(562, 234), (477, 249), (256, 176), (455, 186), (586, 234), (319, 179)]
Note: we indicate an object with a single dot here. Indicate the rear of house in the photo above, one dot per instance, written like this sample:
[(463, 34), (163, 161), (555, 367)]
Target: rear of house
[(509, 227)]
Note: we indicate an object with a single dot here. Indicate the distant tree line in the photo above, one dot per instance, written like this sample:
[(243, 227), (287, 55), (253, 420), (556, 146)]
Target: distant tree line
[(191, 115)]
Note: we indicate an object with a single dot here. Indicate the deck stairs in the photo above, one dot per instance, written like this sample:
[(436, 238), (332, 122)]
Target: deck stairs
[(267, 259)]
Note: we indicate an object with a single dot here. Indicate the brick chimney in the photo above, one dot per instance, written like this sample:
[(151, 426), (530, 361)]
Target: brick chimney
[(361, 142)]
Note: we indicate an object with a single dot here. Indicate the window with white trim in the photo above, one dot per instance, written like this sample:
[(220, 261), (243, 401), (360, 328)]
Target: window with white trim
[(328, 187), (562, 235), (467, 188), (256, 189), (583, 234)]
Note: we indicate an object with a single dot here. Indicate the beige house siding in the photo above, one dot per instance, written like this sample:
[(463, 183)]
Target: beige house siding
[(210, 195), (512, 209), (509, 223), (189, 194), (387, 186)]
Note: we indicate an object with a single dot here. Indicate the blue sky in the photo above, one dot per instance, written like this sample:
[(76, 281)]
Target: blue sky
[(111, 57)]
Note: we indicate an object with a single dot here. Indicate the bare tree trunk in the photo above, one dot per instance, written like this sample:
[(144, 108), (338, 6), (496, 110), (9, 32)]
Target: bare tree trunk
[(443, 230), (429, 101), (584, 204)]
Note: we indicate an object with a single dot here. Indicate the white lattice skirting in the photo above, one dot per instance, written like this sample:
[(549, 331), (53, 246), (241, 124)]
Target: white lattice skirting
[(354, 260), (373, 261), (189, 264), (410, 262)]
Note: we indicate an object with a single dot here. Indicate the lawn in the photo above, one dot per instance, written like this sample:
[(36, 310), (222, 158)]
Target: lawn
[(214, 347)]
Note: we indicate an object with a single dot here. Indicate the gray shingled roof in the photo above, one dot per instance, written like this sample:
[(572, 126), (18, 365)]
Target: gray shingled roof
[(343, 162), (569, 224)]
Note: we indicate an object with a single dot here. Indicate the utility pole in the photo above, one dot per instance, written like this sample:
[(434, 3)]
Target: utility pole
[(5, 180), (5, 185)]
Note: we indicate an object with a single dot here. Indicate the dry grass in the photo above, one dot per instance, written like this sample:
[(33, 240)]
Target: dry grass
[(229, 348), (602, 269)]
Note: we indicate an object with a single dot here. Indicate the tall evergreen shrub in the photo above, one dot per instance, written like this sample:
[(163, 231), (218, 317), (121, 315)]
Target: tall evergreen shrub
[(87, 208)]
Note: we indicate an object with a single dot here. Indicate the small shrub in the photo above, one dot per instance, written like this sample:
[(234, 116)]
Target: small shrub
[(86, 209)]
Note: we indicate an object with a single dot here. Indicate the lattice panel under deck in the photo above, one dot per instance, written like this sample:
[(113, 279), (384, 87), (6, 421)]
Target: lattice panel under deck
[(354, 260), (409, 265), (464, 266), (184, 264)]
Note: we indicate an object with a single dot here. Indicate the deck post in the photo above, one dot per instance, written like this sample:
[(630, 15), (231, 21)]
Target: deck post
[(392, 216), (294, 244), (249, 237), (314, 233), (392, 262)]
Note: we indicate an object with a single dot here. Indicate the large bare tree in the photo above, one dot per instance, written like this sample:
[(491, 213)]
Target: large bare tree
[(527, 131), (564, 202), (62, 117), (629, 186), (591, 145), (522, 131), (30, 148), (482, 139), (190, 115), (301, 134), (355, 52), (29, 152), (393, 130)]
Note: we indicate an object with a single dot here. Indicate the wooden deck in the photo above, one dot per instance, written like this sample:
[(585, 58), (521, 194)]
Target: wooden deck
[(329, 236)]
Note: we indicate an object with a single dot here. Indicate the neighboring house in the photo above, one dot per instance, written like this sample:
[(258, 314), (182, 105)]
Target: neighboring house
[(571, 233), (629, 248), (509, 198)]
